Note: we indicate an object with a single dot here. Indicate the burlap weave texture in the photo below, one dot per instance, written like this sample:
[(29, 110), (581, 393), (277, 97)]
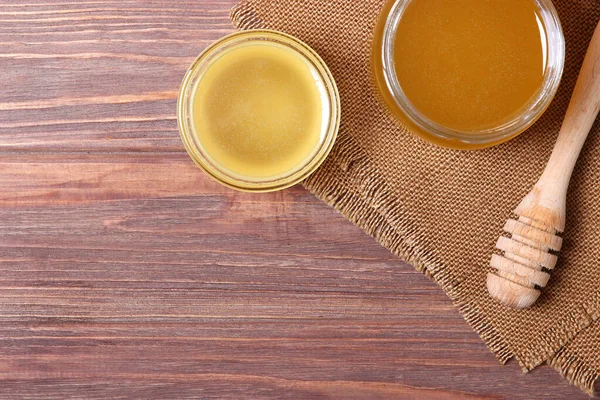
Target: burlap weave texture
[(443, 210)]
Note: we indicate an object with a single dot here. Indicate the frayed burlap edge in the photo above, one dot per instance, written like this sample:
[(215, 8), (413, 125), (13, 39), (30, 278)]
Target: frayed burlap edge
[(365, 200), (366, 209), (575, 371), (244, 17), (360, 196)]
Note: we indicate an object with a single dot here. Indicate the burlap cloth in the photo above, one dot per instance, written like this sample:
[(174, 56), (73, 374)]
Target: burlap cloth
[(443, 210)]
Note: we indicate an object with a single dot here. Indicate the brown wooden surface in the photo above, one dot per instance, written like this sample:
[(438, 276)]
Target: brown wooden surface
[(126, 273)]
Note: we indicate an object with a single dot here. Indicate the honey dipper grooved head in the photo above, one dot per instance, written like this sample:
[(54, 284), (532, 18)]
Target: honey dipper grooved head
[(519, 271)]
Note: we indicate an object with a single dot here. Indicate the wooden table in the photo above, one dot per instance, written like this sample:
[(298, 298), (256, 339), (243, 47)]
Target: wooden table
[(125, 272)]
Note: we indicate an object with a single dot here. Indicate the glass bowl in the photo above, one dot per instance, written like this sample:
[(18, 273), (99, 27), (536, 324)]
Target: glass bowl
[(330, 112), (391, 90)]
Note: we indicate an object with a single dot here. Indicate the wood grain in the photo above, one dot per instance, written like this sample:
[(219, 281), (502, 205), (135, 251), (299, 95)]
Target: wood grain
[(126, 273)]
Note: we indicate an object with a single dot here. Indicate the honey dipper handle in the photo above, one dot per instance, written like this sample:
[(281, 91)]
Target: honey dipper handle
[(582, 111), (546, 203)]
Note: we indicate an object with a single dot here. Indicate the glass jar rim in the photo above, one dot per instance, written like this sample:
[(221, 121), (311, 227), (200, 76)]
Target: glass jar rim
[(482, 138), (203, 159)]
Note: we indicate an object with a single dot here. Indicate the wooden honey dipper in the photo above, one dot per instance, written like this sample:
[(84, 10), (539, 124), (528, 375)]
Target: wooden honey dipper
[(527, 257)]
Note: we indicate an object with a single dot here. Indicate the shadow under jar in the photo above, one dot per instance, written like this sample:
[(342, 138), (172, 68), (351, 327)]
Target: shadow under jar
[(468, 74)]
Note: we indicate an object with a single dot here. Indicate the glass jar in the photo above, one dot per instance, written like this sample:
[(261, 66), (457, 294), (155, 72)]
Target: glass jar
[(412, 118), (330, 113)]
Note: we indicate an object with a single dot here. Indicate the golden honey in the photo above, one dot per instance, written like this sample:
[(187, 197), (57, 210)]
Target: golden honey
[(257, 111), (468, 67), (471, 64)]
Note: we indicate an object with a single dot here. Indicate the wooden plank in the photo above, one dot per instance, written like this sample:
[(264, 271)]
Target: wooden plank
[(98, 75), (126, 273), (136, 272)]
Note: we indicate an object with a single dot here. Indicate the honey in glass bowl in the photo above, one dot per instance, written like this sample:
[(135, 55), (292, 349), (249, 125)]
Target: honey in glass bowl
[(468, 74), (258, 111)]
